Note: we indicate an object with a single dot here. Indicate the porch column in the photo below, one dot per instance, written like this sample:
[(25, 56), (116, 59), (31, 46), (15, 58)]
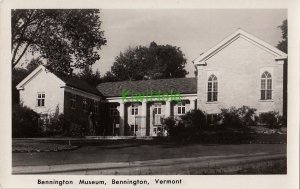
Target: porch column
[(144, 118), (193, 104), (168, 108), (122, 119)]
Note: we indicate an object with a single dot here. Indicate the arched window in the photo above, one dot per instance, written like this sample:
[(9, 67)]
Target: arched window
[(212, 89), (266, 86)]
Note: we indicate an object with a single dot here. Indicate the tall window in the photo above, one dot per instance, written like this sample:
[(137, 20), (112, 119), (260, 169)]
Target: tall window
[(181, 108), (157, 114), (157, 109), (95, 107), (134, 109), (41, 99), (212, 89), (266, 86), (73, 101), (84, 104)]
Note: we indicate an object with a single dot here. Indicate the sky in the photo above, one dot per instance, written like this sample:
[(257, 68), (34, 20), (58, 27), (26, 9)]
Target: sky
[(193, 30)]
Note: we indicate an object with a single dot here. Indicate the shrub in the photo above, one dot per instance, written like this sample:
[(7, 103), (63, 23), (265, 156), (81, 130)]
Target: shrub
[(24, 121), (53, 124), (76, 130), (272, 119), (169, 124), (195, 119), (247, 115), (237, 117), (188, 127)]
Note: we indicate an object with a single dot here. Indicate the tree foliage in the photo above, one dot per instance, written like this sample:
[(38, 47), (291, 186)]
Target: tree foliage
[(153, 62), (87, 74), (24, 121), (283, 44), (66, 38), (33, 64), (109, 77), (18, 74)]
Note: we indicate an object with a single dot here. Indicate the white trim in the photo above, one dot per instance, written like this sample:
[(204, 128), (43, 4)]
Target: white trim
[(271, 72), (118, 98), (279, 55), (181, 106), (81, 93), (34, 73)]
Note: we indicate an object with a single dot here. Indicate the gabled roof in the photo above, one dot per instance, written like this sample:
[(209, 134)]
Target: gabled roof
[(234, 36), (77, 83), (63, 81), (180, 85)]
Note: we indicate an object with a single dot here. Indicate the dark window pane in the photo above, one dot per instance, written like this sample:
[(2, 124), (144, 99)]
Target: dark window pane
[(209, 87), (262, 95), (215, 86), (215, 97), (269, 84), (269, 95), (263, 84), (209, 97)]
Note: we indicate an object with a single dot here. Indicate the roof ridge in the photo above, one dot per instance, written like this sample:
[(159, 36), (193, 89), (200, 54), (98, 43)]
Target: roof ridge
[(148, 80)]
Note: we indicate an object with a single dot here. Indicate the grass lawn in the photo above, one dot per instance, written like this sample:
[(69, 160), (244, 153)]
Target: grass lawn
[(137, 151), (34, 146)]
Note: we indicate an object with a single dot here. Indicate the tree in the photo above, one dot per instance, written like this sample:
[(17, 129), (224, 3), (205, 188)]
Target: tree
[(33, 64), (282, 45), (18, 74), (153, 62), (89, 76), (109, 77), (66, 38)]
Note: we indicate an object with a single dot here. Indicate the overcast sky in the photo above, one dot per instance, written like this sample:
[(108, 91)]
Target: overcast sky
[(194, 31)]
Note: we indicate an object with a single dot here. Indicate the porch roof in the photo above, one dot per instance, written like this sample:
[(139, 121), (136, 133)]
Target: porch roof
[(179, 85)]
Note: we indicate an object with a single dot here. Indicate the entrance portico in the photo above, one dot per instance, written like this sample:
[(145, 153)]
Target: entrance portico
[(146, 118)]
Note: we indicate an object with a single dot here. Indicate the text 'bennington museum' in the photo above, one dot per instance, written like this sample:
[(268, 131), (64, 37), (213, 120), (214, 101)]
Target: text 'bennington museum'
[(240, 70)]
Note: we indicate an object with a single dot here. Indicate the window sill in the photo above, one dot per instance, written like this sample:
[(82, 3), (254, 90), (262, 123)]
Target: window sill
[(266, 100), (40, 106), (214, 102)]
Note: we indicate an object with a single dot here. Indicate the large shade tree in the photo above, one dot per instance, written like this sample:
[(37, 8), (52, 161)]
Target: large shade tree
[(282, 45), (153, 62), (66, 38)]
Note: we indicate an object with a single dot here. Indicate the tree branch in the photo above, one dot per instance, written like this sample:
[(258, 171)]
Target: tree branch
[(28, 44), (25, 49)]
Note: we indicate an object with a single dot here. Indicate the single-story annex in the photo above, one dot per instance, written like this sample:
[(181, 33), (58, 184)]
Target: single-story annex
[(240, 70)]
